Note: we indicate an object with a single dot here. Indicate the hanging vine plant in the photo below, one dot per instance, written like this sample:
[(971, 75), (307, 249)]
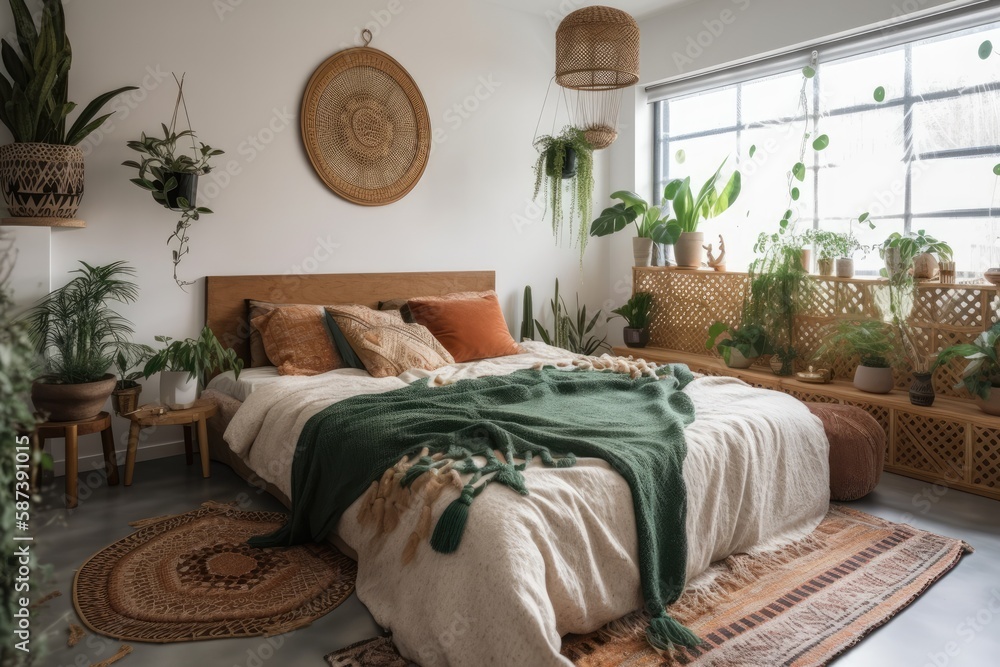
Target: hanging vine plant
[(567, 157)]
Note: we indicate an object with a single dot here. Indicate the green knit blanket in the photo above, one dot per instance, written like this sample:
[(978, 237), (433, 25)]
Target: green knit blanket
[(636, 425)]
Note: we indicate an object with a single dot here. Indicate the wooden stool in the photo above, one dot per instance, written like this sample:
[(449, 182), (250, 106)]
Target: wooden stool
[(147, 417), (71, 431)]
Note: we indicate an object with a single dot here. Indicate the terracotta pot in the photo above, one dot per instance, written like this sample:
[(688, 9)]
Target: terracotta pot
[(845, 267), (825, 266), (807, 259), (641, 249), (922, 390), (41, 180), (178, 391), (925, 267), (636, 337), (689, 251), (71, 402), (126, 400), (991, 405), (873, 380), (737, 360)]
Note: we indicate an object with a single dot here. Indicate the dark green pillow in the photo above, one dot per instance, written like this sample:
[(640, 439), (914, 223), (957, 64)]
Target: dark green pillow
[(351, 360)]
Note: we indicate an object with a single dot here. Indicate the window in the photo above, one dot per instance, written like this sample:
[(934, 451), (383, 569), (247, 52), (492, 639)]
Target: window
[(921, 159)]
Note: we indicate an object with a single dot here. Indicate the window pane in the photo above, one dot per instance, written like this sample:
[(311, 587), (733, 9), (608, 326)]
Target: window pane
[(702, 157), (851, 82), (953, 184), (935, 129), (865, 136), (704, 111), (771, 98), (877, 188), (952, 62)]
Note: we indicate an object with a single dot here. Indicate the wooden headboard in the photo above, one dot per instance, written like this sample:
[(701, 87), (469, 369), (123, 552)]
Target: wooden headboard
[(225, 296)]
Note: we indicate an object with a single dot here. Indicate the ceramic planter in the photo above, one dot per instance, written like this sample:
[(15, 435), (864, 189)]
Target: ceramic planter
[(873, 380), (992, 276), (71, 402), (807, 260), (925, 267), (825, 266), (126, 400), (893, 261), (991, 405), (737, 360), (641, 249), (636, 337), (922, 390), (569, 163), (187, 187), (178, 391), (41, 180), (689, 251), (845, 267)]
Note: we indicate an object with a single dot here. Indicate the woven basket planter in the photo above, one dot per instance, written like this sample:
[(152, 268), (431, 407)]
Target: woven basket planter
[(41, 180)]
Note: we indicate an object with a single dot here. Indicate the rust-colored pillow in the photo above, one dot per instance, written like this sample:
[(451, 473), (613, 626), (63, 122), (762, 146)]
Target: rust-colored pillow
[(297, 340), (256, 308), (470, 328), (386, 345)]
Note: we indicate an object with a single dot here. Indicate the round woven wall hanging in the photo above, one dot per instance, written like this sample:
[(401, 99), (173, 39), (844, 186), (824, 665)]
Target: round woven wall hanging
[(365, 126)]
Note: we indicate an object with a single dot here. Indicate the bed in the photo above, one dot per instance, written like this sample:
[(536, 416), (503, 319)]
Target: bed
[(560, 560)]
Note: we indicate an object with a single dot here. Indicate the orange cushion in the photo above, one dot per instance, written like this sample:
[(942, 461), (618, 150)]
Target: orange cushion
[(471, 328), (298, 341)]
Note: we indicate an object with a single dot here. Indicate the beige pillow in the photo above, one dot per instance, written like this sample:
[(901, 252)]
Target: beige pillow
[(386, 345), (297, 340), (255, 308)]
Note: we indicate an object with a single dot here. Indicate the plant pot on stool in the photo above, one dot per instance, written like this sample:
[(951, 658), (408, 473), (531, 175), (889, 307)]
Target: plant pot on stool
[(178, 390), (71, 402)]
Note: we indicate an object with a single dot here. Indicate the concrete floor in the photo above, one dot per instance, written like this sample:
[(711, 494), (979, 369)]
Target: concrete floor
[(952, 624)]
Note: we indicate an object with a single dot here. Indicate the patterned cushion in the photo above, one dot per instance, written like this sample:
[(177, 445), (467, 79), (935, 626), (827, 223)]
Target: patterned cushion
[(297, 340), (857, 449), (255, 308), (386, 345), (469, 324)]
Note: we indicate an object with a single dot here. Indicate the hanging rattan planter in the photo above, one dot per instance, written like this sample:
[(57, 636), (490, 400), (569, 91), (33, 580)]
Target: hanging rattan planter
[(365, 126)]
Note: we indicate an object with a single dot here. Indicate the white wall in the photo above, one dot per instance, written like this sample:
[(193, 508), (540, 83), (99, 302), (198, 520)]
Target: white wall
[(708, 33), (247, 64)]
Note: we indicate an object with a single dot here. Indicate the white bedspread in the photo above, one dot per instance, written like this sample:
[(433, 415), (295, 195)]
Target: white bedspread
[(562, 559)]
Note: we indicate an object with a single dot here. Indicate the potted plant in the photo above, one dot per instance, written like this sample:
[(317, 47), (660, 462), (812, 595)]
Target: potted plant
[(688, 212), (125, 397), (79, 336), (171, 175), (914, 252), (981, 376), (650, 224), (742, 348), (636, 312), (829, 246), (566, 157), (776, 279), (873, 343), (184, 366), (42, 171)]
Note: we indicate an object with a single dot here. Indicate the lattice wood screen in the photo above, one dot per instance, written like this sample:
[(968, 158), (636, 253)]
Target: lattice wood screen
[(686, 303)]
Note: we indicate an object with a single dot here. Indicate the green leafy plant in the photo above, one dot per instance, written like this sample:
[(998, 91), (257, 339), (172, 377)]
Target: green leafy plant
[(872, 341), (127, 361), (571, 333), (982, 372), (688, 211), (527, 316), (17, 369), (76, 329), (159, 167), (750, 340), (549, 182), (649, 221), (776, 280), (828, 244), (34, 101), (913, 244), (636, 310), (198, 356)]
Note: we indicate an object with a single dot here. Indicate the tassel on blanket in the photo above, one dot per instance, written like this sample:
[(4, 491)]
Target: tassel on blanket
[(664, 633), (450, 527)]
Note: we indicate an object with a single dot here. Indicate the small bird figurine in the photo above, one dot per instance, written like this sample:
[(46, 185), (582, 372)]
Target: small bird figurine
[(717, 263)]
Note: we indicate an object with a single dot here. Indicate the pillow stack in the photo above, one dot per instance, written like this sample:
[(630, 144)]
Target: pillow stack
[(422, 333)]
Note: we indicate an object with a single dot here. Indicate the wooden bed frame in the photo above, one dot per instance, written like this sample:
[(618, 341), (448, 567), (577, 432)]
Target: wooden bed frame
[(226, 296)]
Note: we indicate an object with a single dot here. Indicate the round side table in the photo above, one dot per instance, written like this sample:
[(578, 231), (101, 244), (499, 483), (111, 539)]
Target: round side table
[(71, 431), (150, 417)]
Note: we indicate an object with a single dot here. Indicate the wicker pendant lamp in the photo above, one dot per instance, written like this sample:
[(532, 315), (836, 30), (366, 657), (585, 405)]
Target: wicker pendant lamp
[(597, 54)]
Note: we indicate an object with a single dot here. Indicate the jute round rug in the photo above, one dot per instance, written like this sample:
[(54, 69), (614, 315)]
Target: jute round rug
[(192, 576)]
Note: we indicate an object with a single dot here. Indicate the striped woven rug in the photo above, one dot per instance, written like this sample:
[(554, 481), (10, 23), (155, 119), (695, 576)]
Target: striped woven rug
[(801, 605)]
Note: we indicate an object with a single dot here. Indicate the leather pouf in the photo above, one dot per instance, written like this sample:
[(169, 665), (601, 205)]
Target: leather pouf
[(857, 449)]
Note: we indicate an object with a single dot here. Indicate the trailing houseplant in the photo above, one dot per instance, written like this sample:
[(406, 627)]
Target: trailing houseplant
[(42, 171), (566, 157), (981, 377), (171, 175), (184, 366), (776, 280), (919, 253), (872, 342), (79, 336), (636, 312), (688, 211), (651, 225), (743, 346)]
